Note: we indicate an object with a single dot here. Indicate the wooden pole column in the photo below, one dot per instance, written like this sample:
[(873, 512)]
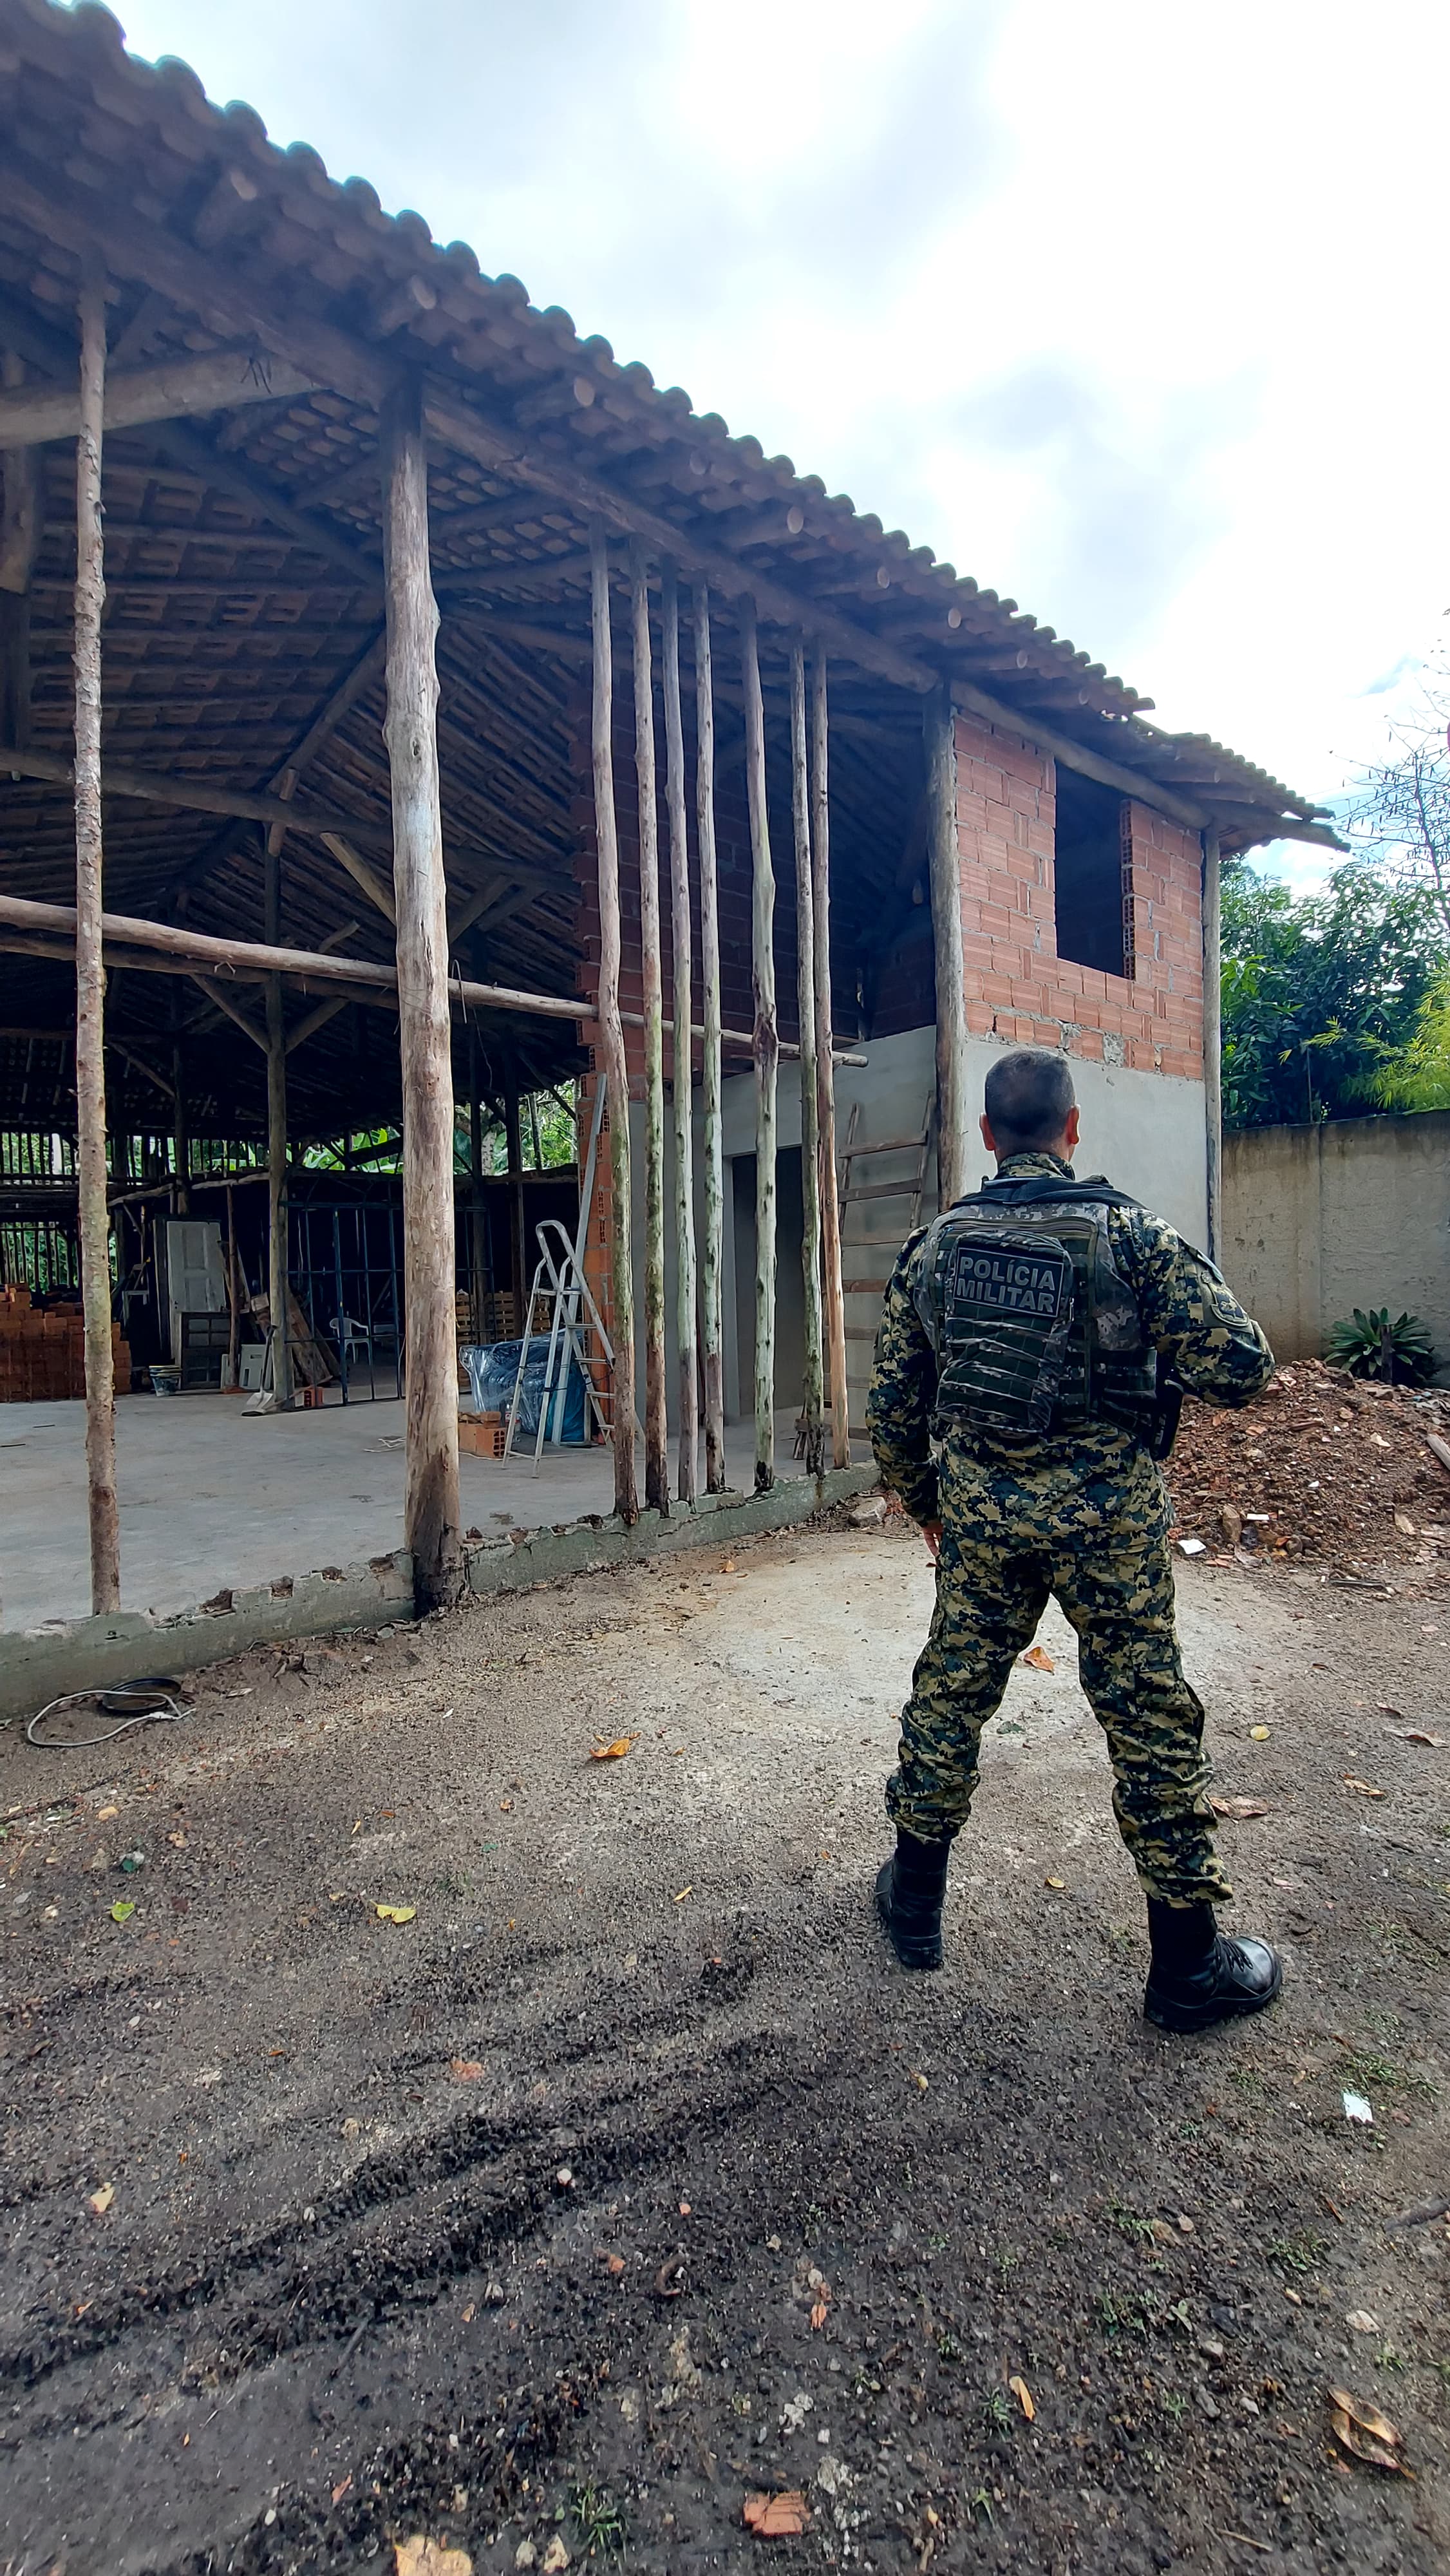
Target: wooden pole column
[(830, 1204), (683, 1093), (765, 1047), (946, 926), (477, 1263), (611, 1034), (656, 1429), (94, 1215), (278, 1317), (712, 1263), (518, 1247), (1213, 1041), (431, 1513), (805, 930)]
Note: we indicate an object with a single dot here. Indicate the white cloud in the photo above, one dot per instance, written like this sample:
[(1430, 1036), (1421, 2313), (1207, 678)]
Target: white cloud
[(1133, 314)]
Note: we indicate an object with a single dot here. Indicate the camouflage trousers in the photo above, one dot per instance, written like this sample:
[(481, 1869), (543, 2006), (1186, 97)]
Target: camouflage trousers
[(1097, 1539)]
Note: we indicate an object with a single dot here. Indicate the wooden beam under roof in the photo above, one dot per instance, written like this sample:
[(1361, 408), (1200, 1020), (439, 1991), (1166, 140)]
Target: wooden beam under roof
[(84, 220), (170, 389)]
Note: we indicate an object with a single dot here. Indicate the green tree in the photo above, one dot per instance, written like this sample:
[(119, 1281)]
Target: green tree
[(1323, 996), (1417, 1076)]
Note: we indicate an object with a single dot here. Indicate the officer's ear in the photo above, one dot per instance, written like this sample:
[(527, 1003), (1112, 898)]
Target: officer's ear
[(988, 1139), (1070, 1131)]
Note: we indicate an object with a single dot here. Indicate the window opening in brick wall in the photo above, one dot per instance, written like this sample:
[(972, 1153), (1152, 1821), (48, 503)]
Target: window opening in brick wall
[(1093, 874)]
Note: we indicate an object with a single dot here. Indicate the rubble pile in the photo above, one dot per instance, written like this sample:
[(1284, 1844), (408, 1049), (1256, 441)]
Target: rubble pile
[(1324, 1470)]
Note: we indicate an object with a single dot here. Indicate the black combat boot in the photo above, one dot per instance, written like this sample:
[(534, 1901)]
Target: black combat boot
[(909, 1893), (1198, 1975)]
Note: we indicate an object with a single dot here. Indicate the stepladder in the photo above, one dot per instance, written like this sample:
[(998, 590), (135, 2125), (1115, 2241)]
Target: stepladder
[(882, 1184)]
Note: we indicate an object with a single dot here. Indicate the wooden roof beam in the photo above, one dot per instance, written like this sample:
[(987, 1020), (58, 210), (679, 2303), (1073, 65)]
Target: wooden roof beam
[(1077, 756), (173, 388), (48, 930), (450, 419), (84, 220), (194, 796)]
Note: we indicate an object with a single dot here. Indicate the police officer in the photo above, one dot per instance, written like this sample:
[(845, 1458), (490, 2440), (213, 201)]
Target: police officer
[(1031, 1350)]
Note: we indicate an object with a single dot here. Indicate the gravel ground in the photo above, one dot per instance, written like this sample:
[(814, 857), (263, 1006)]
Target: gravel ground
[(627, 2178)]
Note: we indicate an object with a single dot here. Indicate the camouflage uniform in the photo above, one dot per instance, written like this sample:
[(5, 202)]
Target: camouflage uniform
[(1083, 1516)]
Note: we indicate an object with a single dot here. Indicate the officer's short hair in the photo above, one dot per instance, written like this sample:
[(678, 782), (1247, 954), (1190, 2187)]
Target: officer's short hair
[(1029, 1100)]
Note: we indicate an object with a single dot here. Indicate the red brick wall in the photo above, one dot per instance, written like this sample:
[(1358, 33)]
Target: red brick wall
[(1017, 986)]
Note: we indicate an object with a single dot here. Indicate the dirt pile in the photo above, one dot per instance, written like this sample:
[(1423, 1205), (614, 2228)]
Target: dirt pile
[(1323, 1471)]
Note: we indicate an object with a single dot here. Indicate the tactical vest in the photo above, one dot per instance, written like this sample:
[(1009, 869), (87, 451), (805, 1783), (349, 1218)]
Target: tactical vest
[(1036, 1331)]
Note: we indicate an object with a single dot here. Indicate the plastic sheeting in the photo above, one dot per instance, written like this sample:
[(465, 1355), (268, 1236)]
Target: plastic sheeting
[(493, 1370)]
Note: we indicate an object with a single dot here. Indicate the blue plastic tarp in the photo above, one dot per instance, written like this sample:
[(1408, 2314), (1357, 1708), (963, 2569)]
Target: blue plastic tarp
[(493, 1371)]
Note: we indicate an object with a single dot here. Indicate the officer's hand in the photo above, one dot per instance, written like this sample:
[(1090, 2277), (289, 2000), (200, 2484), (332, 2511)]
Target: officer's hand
[(931, 1532)]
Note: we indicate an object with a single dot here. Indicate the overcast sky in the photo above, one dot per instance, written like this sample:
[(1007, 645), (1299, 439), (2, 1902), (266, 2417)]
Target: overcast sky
[(1136, 314)]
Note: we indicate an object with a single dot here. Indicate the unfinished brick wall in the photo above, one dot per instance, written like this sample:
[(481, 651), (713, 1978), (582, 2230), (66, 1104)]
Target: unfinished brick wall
[(1017, 986)]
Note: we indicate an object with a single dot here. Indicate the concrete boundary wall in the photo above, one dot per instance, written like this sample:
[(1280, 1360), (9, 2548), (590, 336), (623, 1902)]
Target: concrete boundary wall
[(1319, 1220), (42, 1664)]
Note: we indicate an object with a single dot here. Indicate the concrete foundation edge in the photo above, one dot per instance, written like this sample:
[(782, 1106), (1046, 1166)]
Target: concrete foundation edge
[(42, 1664)]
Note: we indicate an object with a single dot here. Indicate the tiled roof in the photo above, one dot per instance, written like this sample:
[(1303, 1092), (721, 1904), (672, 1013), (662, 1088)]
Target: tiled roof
[(193, 192)]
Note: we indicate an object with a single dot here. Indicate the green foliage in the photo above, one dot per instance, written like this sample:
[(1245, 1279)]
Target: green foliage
[(1418, 1076), (1369, 1345), (1322, 996)]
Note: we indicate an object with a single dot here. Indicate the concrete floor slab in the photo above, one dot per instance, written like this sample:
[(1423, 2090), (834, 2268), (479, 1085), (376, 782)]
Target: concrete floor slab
[(211, 1496)]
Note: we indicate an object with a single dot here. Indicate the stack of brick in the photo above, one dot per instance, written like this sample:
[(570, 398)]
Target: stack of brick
[(43, 1352)]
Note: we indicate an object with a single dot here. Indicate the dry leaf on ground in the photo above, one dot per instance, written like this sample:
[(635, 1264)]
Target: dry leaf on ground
[(1023, 2395), (101, 2200), (1258, 1735), (1365, 2433), (395, 1913), (341, 2488), (1360, 2321), (778, 2517), (555, 2557), (614, 1752), (423, 2557), (467, 2069), (1366, 1788), (1238, 1806), (1039, 1658)]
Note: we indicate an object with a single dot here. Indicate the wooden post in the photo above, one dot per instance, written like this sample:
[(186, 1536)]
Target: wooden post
[(656, 1431), (946, 926), (93, 1211), (712, 1263), (611, 1033), (765, 1047), (683, 1091), (830, 1204), (278, 1317), (805, 985), (1213, 1041), (518, 1248), (234, 1296), (180, 1126), (477, 1264), (431, 1513)]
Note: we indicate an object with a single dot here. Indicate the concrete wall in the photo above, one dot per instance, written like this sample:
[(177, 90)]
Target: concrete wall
[(1319, 1220), (40, 1664), (1145, 1130)]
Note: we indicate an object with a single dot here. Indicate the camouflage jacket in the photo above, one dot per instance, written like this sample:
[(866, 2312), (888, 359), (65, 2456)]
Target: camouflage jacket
[(1193, 1320)]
